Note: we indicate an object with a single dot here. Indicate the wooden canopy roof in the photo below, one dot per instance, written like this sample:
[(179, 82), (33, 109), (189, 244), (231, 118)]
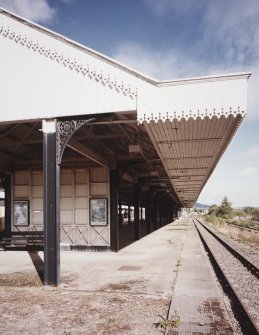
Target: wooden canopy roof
[(180, 128)]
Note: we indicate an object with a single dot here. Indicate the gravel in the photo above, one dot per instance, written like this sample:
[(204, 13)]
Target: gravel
[(52, 311), (241, 279)]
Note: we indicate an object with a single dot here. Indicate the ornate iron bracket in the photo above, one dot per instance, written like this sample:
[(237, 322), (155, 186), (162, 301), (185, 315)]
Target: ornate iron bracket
[(65, 130)]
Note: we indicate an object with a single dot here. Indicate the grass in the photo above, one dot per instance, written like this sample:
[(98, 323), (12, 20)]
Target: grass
[(173, 322), (223, 226)]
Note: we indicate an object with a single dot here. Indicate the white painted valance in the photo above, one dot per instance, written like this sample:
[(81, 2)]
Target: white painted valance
[(197, 97), (45, 75)]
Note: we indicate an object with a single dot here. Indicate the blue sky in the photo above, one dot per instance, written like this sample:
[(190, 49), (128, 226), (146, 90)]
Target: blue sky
[(169, 39)]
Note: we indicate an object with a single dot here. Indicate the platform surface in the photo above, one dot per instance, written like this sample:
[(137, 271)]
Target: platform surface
[(196, 297), (164, 273)]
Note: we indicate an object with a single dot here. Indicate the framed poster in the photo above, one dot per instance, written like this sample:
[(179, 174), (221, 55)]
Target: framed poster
[(98, 212), (21, 212)]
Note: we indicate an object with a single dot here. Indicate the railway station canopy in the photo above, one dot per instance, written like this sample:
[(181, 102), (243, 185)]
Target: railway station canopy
[(65, 105), (178, 129)]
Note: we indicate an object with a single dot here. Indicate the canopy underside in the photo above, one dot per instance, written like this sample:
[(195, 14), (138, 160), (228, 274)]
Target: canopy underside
[(190, 150)]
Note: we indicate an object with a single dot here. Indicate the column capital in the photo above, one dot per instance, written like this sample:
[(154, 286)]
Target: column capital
[(49, 126)]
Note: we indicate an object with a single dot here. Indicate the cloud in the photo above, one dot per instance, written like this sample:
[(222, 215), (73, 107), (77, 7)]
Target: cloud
[(251, 153), (240, 187), (173, 64), (34, 10), (234, 27), (253, 84), (246, 172), (228, 43), (229, 31), (164, 7), (68, 1), (161, 65)]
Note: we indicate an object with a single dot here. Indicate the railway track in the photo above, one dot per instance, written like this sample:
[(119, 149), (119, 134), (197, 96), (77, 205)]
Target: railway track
[(248, 229), (239, 276)]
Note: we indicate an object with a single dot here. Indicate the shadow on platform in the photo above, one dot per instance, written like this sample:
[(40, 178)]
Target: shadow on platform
[(38, 264), (126, 234)]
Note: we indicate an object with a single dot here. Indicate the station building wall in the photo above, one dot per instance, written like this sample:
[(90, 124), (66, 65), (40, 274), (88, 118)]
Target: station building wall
[(77, 187)]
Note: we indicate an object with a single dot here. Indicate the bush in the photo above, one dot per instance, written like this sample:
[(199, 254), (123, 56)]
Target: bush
[(213, 210), (224, 210), (218, 215)]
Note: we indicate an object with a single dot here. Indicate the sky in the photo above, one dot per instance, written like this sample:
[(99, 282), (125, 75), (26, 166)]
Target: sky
[(172, 39)]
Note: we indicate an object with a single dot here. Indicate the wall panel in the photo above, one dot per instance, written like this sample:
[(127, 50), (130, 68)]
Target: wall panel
[(76, 189)]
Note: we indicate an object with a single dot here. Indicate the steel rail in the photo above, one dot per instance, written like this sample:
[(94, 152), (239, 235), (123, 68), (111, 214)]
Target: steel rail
[(254, 326), (248, 263), (252, 230)]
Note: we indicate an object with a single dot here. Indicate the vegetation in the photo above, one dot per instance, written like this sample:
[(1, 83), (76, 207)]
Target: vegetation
[(224, 216), (247, 217), (253, 212), (224, 211), (174, 322)]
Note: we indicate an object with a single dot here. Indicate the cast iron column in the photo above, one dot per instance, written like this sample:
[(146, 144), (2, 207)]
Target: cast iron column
[(136, 212), (114, 222), (159, 214), (8, 207), (121, 217), (166, 212), (129, 215), (51, 205), (155, 205), (162, 213), (148, 212)]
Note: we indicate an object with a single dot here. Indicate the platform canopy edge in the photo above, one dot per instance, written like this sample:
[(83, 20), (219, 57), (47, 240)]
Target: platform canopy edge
[(194, 98)]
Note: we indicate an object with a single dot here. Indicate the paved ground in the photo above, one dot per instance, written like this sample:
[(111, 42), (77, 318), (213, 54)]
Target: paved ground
[(196, 298), (108, 293)]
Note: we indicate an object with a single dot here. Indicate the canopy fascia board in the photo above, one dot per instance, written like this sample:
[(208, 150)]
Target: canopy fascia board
[(44, 78), (65, 40), (225, 94), (195, 97), (109, 60), (201, 79), (46, 75)]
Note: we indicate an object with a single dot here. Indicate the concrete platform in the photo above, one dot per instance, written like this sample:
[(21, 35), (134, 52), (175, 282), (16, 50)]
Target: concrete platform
[(168, 264), (196, 297)]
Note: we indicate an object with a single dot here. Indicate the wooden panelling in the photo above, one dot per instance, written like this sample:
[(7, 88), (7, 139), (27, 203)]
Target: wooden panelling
[(81, 202), (81, 235), (66, 203), (99, 189), (66, 190), (37, 178), (66, 216), (81, 216), (37, 218), (37, 191), (21, 178), (82, 177), (99, 236), (37, 204), (99, 174), (81, 190), (66, 178), (21, 191), (76, 190)]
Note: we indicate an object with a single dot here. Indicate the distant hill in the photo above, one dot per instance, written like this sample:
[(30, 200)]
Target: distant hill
[(201, 206)]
